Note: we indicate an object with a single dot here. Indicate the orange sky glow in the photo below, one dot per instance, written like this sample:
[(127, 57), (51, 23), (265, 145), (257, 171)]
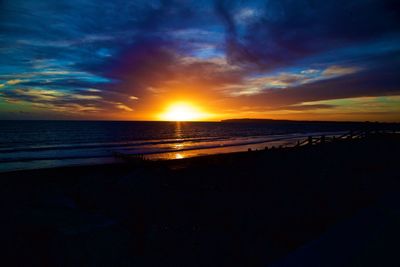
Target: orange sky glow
[(138, 60)]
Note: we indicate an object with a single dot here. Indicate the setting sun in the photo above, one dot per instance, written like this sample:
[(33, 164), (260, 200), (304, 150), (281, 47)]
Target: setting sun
[(182, 111)]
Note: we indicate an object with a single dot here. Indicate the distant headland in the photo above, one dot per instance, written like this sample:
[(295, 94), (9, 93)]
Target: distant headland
[(248, 120)]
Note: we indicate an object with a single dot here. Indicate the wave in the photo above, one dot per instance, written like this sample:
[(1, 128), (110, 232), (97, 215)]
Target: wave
[(150, 147), (9, 149)]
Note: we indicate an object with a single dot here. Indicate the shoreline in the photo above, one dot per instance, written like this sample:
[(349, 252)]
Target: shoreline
[(178, 154), (238, 209), (115, 156), (28, 148)]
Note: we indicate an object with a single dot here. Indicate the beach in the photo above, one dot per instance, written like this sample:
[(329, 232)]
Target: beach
[(240, 209), (30, 145), (186, 133)]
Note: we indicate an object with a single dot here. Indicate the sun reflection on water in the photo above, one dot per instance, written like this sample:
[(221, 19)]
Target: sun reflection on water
[(178, 146), (179, 156)]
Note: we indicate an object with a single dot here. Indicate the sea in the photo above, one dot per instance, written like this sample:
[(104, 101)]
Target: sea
[(47, 144)]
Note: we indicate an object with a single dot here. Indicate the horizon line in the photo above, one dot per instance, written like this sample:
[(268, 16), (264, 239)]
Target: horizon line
[(223, 120)]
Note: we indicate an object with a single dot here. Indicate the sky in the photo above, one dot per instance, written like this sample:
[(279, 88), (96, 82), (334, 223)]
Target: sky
[(132, 60)]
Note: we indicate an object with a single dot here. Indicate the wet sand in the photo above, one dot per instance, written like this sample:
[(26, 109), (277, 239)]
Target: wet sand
[(240, 209)]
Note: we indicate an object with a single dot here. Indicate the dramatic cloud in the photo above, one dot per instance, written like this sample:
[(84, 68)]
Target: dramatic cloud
[(290, 30), (125, 59)]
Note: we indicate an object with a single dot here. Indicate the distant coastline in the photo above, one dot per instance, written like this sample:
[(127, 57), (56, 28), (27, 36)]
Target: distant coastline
[(248, 120)]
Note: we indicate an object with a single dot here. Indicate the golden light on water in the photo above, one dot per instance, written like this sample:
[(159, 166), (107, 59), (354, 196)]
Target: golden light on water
[(179, 156), (183, 111)]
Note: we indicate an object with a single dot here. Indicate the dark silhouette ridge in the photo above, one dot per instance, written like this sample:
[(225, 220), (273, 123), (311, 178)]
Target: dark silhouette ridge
[(248, 120)]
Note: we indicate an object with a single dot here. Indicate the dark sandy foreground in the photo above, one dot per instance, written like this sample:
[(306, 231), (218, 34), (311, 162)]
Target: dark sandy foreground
[(327, 205)]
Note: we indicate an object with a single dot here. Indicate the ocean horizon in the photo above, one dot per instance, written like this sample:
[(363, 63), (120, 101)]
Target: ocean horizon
[(32, 144)]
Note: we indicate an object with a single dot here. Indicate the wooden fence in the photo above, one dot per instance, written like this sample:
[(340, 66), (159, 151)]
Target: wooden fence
[(322, 139)]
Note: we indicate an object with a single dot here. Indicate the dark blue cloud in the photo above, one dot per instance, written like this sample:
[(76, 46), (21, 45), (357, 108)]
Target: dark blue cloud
[(380, 80), (287, 31), (117, 49)]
